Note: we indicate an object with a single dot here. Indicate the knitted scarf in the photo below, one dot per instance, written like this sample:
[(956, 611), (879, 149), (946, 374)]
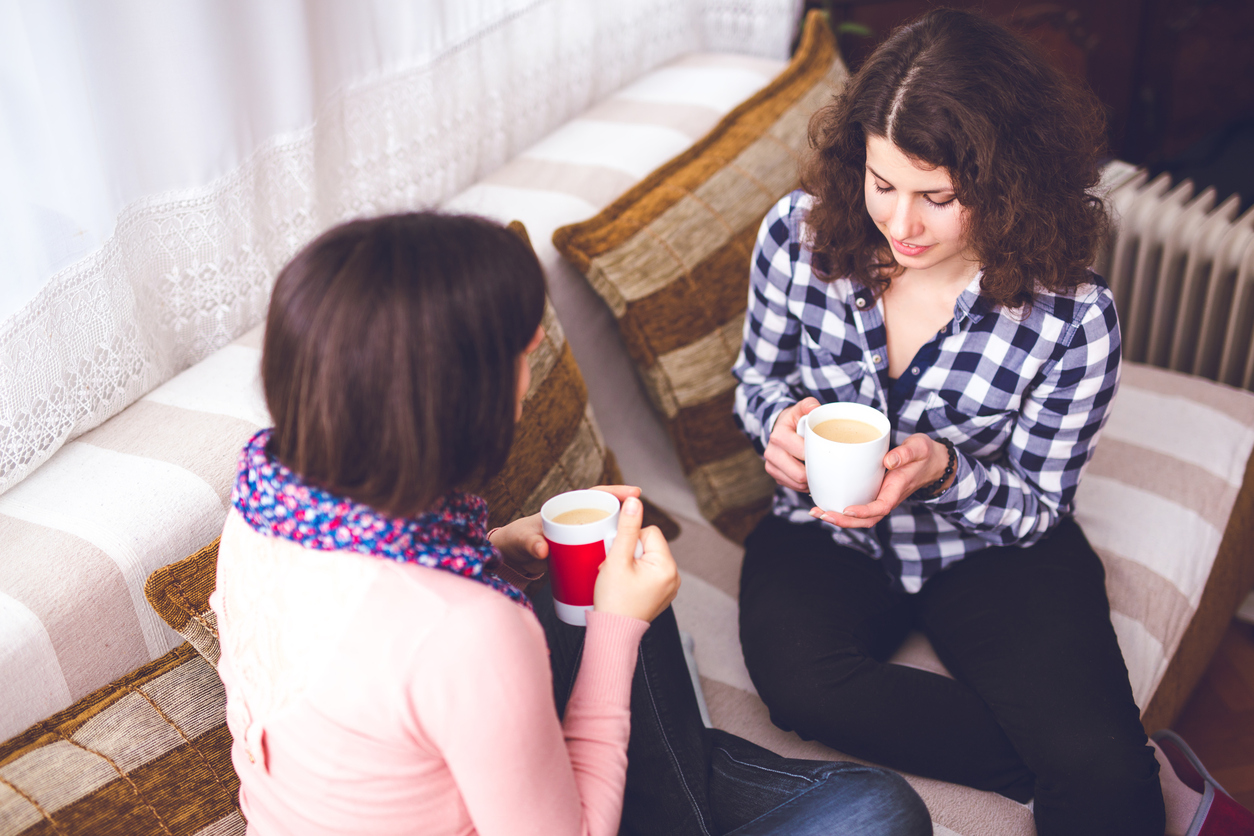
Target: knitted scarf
[(451, 536)]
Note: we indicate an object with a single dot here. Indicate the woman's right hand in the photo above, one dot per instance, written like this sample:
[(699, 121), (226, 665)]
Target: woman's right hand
[(639, 587), (786, 452)]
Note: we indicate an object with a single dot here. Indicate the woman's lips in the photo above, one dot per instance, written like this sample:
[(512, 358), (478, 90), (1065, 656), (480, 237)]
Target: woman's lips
[(909, 249)]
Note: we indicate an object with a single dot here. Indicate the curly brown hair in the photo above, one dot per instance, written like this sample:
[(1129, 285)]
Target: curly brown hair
[(1019, 141)]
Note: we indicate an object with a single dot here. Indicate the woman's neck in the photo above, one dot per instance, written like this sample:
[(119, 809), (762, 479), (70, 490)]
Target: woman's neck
[(916, 305)]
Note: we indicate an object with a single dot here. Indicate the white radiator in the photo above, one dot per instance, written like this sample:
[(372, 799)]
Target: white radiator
[(1182, 271)]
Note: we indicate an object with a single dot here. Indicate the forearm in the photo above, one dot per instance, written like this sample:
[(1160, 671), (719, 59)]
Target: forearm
[(998, 504), (598, 718), (758, 404)]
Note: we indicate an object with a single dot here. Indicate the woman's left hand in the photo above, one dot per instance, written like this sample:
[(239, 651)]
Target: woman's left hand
[(919, 461), (522, 542)]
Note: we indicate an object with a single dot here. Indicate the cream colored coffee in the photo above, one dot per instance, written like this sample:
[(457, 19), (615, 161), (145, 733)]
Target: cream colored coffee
[(847, 431), (581, 516)]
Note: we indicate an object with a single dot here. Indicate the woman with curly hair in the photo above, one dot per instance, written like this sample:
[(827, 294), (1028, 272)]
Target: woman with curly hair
[(935, 267)]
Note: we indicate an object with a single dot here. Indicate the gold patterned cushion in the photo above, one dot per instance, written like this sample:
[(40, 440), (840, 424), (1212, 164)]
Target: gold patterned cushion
[(671, 259), (148, 753), (557, 447)]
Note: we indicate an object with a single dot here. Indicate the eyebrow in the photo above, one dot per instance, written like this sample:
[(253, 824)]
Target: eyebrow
[(926, 191)]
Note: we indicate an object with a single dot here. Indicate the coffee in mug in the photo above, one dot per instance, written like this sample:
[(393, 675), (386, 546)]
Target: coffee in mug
[(581, 516), (847, 430)]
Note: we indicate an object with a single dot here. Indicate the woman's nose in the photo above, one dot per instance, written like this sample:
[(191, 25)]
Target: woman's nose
[(904, 223)]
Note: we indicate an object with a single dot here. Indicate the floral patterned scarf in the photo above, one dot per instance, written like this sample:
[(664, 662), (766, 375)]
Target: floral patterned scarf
[(451, 536)]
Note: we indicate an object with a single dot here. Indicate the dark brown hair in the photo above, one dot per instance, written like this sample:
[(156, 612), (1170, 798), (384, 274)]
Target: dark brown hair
[(1019, 140), (391, 353)]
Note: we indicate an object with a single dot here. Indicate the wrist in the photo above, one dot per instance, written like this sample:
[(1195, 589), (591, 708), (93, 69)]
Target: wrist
[(948, 472)]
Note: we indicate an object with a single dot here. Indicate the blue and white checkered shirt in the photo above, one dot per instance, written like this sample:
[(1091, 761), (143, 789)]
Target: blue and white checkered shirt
[(1023, 399)]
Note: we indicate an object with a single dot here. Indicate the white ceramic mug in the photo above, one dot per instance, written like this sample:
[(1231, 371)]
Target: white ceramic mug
[(576, 552), (842, 474)]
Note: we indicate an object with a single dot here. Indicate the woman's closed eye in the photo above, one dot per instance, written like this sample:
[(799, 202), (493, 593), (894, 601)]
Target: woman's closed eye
[(939, 204)]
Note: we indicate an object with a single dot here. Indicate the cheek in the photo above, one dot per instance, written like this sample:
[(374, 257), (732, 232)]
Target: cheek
[(524, 379), (948, 227), (878, 206)]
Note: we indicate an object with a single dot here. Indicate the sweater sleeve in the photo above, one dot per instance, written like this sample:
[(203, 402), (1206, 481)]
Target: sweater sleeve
[(483, 695)]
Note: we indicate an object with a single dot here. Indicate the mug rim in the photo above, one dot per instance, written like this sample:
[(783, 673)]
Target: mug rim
[(570, 500), (882, 423)]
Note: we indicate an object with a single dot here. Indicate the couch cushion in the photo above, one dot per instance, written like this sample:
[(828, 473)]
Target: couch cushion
[(149, 753), (670, 258), (574, 173), (80, 535), (1168, 504)]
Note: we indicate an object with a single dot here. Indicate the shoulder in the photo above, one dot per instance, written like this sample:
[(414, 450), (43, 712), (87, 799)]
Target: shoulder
[(785, 220), (1088, 304), (391, 600), (782, 256), (467, 607), (1080, 325)]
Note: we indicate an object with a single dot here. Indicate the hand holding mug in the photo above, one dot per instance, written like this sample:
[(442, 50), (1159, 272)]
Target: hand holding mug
[(919, 461), (639, 587), (522, 544), (785, 452)]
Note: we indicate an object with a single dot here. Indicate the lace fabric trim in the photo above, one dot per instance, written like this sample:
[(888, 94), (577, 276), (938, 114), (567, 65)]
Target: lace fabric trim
[(183, 274)]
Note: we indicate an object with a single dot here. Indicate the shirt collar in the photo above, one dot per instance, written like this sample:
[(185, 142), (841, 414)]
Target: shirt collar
[(970, 306)]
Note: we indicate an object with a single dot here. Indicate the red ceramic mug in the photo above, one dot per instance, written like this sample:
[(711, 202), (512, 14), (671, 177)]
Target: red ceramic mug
[(580, 527)]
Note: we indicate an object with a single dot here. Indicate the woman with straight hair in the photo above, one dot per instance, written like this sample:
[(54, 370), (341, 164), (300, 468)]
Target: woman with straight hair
[(935, 267), (382, 675)]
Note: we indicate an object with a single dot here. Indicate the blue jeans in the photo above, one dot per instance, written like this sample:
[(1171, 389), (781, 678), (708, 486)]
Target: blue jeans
[(683, 778)]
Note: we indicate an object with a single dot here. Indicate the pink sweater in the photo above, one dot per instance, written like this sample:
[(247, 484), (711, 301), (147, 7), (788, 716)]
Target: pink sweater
[(367, 696)]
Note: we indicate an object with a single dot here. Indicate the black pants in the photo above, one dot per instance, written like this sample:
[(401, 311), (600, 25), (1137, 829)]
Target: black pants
[(684, 779), (1041, 706)]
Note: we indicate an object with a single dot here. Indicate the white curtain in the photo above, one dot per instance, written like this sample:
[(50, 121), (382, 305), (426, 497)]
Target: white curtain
[(161, 159)]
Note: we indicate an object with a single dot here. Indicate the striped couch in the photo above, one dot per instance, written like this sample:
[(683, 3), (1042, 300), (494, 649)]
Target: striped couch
[(1168, 502)]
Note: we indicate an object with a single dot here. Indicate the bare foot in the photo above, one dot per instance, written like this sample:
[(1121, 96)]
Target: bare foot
[(1180, 801)]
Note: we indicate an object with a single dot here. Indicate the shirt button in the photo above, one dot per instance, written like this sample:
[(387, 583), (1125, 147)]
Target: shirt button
[(877, 359), (914, 370), (860, 302)]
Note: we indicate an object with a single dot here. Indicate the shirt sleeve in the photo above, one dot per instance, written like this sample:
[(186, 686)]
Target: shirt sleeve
[(767, 365), (1016, 499), (486, 700)]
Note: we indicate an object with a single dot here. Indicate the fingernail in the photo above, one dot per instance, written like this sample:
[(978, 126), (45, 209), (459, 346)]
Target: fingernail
[(815, 512), (631, 505), (893, 461)]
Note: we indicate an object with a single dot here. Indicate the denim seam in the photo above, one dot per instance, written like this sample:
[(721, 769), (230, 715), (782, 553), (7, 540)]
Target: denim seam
[(670, 749), (733, 759)]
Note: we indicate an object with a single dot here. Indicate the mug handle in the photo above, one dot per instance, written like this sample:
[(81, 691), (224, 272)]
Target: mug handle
[(803, 425), (609, 543)]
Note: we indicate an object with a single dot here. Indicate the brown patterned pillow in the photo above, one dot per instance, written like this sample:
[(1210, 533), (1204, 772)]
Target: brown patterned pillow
[(148, 753), (557, 447), (671, 259)]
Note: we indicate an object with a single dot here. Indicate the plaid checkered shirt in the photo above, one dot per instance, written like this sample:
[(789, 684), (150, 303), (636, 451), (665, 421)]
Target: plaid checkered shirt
[(1022, 398)]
